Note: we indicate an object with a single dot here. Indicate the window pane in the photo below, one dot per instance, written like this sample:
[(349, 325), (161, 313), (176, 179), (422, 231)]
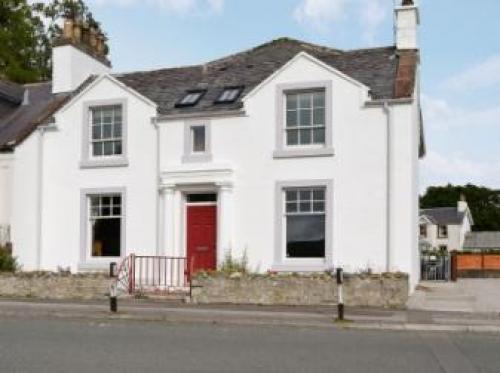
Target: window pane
[(305, 137), (318, 135), (97, 149), (117, 130), (117, 211), (117, 148), (291, 101), (291, 207), (305, 195), (291, 195), (305, 117), (305, 101), (292, 137), (319, 207), (106, 237), (198, 138), (319, 99), (305, 236), (319, 116), (305, 206), (107, 131), (319, 194), (108, 148), (96, 132), (106, 201), (117, 200), (291, 118), (107, 116)]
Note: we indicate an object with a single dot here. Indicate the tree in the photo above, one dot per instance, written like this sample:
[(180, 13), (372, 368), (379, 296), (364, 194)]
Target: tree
[(22, 39), (483, 202), (27, 33)]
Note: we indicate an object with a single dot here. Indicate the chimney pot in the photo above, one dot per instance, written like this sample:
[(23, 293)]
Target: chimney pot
[(408, 3)]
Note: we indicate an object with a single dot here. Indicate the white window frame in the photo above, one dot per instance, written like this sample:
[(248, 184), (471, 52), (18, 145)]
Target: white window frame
[(313, 150), (190, 156), (87, 261), (439, 235), (88, 159), (281, 261)]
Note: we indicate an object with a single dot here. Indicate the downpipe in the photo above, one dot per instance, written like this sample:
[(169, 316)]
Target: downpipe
[(388, 262)]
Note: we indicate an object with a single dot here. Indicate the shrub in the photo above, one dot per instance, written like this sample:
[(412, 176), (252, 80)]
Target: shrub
[(232, 265), (7, 262)]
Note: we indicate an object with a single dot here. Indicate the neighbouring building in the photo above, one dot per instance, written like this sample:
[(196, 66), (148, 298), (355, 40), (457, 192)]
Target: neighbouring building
[(445, 228), (482, 241), (299, 156)]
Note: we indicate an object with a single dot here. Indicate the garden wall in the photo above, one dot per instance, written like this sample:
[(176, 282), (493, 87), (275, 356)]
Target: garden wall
[(360, 290), (49, 285)]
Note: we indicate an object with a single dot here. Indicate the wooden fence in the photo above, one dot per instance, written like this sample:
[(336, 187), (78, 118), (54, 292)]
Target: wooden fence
[(475, 265)]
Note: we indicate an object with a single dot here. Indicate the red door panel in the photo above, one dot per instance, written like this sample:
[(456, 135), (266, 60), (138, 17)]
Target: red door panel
[(201, 237)]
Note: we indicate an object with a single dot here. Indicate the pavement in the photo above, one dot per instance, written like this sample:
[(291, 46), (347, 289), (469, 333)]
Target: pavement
[(320, 317), (465, 295), (77, 346)]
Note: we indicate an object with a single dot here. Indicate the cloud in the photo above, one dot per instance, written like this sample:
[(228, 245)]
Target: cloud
[(324, 15), (320, 14), (373, 14), (439, 114), (457, 168), (485, 74)]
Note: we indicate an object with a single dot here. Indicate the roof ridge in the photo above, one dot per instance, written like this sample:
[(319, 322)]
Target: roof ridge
[(153, 70)]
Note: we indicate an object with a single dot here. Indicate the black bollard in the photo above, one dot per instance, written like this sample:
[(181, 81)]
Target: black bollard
[(113, 301), (340, 300)]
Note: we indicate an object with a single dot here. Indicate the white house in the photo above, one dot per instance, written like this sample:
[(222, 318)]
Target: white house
[(301, 156), (445, 228)]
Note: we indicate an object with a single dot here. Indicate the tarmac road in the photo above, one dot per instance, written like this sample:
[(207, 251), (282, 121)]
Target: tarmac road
[(39, 345)]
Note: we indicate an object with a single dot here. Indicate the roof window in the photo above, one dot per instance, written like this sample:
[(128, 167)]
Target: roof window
[(191, 98), (228, 95)]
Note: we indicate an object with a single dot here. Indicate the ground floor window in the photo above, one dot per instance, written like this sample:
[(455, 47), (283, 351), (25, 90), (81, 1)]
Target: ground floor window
[(305, 222), (105, 223)]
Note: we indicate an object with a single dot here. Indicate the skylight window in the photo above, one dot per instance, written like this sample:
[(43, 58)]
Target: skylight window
[(191, 98), (229, 95)]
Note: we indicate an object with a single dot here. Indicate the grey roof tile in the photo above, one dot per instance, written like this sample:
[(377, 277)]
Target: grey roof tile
[(482, 240), (444, 215)]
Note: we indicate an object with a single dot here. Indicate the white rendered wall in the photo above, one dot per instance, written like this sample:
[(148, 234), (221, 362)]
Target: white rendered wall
[(63, 181), (71, 67), (6, 164), (357, 170)]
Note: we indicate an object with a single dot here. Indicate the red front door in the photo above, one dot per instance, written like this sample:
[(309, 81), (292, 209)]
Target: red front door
[(201, 237)]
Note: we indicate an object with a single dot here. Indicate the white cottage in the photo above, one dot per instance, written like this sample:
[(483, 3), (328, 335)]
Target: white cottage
[(301, 157)]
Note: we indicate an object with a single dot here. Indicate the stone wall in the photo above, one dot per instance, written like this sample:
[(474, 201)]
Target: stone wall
[(49, 285), (360, 290)]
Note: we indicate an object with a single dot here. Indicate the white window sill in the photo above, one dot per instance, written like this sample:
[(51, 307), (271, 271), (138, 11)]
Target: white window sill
[(98, 265), (303, 152), (197, 158), (98, 163)]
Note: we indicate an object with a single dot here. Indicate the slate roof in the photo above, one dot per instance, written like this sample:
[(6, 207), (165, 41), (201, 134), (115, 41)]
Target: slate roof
[(377, 68), (388, 73), (482, 240), (444, 215)]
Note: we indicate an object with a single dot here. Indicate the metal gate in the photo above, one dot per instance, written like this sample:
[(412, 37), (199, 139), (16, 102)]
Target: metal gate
[(435, 267)]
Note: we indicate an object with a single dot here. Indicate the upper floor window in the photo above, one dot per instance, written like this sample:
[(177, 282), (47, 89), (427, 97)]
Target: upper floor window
[(423, 230), (229, 95), (106, 133), (305, 118), (442, 231), (191, 98), (197, 142)]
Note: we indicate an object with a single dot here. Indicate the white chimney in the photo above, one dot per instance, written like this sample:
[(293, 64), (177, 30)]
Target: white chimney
[(462, 205), (76, 56), (407, 21)]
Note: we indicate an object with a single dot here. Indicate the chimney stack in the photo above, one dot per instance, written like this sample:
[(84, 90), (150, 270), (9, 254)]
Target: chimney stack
[(406, 28), (79, 53), (462, 203)]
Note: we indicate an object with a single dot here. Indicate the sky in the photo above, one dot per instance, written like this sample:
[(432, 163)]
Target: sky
[(459, 41)]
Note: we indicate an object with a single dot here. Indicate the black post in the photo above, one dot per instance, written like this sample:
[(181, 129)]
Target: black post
[(113, 301), (112, 269), (340, 300)]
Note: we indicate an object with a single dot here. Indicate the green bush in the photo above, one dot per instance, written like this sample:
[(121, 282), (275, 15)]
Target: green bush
[(7, 262), (232, 265)]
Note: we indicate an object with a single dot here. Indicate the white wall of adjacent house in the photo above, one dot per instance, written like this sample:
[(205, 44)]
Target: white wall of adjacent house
[(242, 155), (63, 180), (6, 164)]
